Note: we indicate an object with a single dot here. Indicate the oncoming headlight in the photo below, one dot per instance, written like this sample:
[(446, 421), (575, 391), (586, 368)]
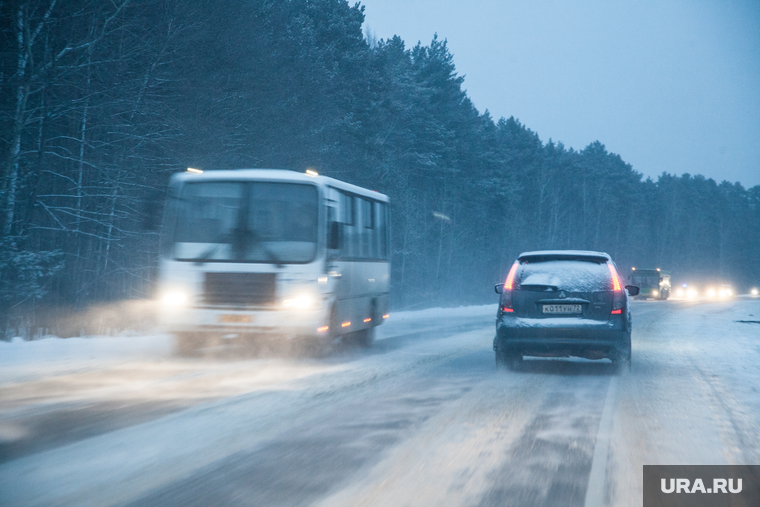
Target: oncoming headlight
[(300, 301), (174, 298)]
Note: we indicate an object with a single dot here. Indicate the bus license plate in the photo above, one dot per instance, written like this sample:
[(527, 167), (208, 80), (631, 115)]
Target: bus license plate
[(562, 309), (235, 319)]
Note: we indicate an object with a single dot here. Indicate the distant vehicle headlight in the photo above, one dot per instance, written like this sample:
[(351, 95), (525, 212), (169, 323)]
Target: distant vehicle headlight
[(754, 292), (692, 293), (711, 293), (679, 292), (174, 298), (655, 293)]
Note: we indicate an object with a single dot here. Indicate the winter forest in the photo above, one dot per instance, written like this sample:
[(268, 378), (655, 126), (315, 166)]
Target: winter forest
[(101, 101)]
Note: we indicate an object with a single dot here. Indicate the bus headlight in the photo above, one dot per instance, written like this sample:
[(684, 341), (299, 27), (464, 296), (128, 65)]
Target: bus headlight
[(300, 301), (754, 292), (174, 298), (655, 293)]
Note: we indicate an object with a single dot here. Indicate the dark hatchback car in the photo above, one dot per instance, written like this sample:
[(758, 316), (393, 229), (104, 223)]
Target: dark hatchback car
[(563, 303)]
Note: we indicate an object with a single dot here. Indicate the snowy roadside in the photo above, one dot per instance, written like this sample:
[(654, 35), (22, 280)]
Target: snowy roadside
[(119, 465), (22, 361)]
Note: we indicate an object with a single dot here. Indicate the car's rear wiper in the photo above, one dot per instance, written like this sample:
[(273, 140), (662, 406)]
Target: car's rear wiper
[(539, 288)]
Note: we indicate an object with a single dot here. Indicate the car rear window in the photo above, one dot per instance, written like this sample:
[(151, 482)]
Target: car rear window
[(572, 276)]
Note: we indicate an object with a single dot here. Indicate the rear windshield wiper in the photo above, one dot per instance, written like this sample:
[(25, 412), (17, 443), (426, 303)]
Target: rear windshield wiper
[(539, 288)]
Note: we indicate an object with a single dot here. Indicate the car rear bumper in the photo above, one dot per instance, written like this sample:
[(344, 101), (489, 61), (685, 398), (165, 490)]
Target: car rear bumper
[(552, 337)]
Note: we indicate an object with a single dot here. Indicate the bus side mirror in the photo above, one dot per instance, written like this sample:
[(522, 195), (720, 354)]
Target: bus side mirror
[(632, 290), (334, 236), (498, 288)]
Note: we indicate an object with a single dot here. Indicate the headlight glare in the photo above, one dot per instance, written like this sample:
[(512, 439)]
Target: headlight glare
[(174, 298), (300, 301)]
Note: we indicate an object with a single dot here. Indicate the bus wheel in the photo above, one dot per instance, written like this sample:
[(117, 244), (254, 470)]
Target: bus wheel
[(321, 345), (365, 337)]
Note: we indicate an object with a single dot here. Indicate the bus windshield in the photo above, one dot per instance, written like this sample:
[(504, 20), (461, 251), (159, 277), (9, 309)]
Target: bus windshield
[(646, 280), (237, 221)]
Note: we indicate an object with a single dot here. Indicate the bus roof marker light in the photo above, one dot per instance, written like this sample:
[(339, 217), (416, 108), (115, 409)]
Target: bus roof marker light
[(322, 329), (194, 170), (346, 324), (312, 172)]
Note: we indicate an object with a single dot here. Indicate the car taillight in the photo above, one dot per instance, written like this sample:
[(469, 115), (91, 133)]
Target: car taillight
[(615, 280), (618, 296), (506, 294), (511, 277)]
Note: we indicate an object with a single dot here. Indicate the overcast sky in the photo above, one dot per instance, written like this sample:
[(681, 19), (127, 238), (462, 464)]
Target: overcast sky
[(670, 85)]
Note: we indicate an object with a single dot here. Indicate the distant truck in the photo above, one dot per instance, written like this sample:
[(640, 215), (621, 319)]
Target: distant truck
[(653, 283)]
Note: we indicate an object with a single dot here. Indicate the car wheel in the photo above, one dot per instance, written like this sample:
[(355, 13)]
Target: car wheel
[(623, 356), (501, 362), (514, 360)]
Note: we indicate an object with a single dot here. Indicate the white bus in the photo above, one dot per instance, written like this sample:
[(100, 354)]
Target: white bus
[(254, 253)]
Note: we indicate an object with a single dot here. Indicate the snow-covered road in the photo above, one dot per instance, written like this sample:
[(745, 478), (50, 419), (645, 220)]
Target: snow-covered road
[(423, 418)]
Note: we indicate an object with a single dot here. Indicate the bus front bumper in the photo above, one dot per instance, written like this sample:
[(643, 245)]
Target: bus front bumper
[(273, 322)]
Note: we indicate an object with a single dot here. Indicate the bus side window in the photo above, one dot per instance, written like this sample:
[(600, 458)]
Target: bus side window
[(331, 219), (346, 218), (382, 231), (367, 235), (378, 231), (349, 210), (351, 247)]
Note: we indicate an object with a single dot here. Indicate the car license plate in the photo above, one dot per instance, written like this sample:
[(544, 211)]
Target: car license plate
[(233, 318), (562, 309)]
